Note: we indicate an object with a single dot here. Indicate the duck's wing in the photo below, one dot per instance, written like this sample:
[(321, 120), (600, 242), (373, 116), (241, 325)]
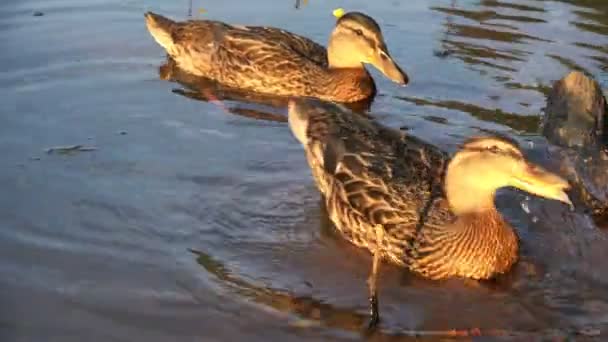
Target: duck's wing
[(304, 46), (376, 174), (250, 57)]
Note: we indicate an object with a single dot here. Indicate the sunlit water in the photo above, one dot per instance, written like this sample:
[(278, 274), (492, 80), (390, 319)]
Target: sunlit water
[(190, 223)]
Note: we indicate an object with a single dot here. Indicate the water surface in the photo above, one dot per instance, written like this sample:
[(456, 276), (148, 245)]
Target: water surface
[(191, 223)]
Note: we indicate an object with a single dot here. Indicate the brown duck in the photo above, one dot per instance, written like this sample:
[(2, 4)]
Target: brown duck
[(410, 204), (274, 61)]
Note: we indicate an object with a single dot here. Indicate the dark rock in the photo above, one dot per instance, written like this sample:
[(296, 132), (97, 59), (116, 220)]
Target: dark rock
[(575, 121), (574, 116)]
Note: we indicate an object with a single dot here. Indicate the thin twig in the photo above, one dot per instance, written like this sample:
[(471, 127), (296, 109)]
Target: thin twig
[(69, 149)]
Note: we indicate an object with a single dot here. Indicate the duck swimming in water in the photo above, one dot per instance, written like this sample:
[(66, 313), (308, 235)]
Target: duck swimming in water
[(410, 204), (274, 61)]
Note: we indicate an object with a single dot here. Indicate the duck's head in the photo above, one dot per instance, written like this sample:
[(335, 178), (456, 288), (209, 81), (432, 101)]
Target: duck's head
[(357, 39), (485, 164)]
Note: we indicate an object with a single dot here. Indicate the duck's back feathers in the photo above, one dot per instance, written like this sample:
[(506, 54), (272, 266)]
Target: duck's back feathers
[(302, 45), (371, 175)]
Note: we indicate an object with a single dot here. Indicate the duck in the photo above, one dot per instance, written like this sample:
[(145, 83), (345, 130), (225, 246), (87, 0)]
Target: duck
[(411, 204), (575, 123), (270, 60)]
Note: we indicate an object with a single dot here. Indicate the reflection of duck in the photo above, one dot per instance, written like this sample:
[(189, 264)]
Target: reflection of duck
[(576, 119), (258, 106), (271, 60), (383, 192)]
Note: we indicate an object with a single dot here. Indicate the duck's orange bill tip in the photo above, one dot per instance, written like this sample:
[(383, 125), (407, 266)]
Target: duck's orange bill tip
[(338, 12)]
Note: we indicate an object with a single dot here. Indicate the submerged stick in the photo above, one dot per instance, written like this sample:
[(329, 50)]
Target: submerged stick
[(69, 149)]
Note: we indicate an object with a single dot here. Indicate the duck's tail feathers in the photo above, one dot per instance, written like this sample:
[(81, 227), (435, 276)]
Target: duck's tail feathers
[(160, 28)]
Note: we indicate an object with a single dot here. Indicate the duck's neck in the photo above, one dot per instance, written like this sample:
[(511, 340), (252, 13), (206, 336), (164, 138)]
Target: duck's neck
[(466, 193), (477, 245), (470, 200), (348, 84), (493, 244), (338, 56), (338, 60), (346, 79), (491, 240)]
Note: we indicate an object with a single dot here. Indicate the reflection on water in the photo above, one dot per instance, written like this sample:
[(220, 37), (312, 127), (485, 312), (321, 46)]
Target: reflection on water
[(202, 89), (476, 34), (97, 245), (308, 312), (522, 123), (267, 107)]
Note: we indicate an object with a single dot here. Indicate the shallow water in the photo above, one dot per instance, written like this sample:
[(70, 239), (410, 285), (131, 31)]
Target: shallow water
[(190, 223)]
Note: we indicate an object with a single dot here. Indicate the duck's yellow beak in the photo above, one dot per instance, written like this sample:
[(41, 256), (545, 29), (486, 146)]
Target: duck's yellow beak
[(541, 182), (385, 63)]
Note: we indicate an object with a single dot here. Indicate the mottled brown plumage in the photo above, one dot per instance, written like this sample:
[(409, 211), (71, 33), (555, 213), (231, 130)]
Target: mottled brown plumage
[(437, 214), (273, 61)]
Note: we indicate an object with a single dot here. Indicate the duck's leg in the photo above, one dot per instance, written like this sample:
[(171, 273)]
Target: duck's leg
[(372, 280)]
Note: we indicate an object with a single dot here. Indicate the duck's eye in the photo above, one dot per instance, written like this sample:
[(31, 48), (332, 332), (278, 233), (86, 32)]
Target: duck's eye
[(359, 32), (493, 149)]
